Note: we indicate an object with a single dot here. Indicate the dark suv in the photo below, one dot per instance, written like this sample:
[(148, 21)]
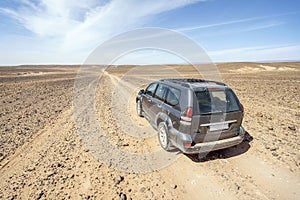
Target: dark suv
[(193, 115)]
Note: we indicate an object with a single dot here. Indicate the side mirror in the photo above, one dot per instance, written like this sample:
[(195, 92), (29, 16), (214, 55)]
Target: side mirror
[(141, 92)]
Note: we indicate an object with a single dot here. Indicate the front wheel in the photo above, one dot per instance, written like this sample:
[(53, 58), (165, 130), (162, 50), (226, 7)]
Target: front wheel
[(139, 110), (163, 136)]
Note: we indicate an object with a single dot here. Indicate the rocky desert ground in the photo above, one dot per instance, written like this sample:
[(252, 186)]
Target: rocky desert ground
[(43, 154)]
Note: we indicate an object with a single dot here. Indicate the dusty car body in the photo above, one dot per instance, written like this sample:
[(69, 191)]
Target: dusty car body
[(193, 115)]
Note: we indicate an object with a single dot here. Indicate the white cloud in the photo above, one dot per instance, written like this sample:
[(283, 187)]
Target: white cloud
[(65, 31), (191, 28), (77, 25), (265, 19), (261, 26)]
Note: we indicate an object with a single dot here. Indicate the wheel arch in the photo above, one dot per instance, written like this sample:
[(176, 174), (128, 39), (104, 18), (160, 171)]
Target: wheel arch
[(136, 99), (163, 117)]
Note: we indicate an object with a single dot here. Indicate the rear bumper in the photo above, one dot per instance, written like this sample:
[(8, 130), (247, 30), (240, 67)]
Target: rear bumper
[(214, 145)]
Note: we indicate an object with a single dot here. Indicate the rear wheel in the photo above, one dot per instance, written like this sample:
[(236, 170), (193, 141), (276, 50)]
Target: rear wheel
[(163, 136), (139, 110)]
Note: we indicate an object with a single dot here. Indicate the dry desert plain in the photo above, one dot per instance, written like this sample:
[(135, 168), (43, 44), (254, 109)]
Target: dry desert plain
[(43, 155)]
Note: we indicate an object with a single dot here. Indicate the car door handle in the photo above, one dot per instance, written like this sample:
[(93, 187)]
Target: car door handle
[(149, 99), (159, 105)]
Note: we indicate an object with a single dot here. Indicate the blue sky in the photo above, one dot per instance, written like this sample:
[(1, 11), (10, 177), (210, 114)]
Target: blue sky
[(66, 32)]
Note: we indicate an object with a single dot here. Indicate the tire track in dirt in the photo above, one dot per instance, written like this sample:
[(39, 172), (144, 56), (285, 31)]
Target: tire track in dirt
[(271, 180), (40, 140)]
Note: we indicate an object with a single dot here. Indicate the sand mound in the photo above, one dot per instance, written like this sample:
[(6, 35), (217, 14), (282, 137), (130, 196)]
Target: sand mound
[(262, 68)]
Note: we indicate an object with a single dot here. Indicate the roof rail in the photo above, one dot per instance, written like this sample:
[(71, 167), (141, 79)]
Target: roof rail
[(193, 80)]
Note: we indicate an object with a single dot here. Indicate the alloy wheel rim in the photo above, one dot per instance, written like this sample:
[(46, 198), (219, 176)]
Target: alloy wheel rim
[(162, 137), (138, 107)]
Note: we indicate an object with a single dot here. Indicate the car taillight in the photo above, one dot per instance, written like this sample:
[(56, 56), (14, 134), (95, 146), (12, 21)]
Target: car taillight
[(187, 144), (186, 116), (242, 108), (189, 112)]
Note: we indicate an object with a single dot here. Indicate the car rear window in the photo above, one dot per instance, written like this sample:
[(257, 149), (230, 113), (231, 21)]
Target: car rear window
[(217, 101), (173, 96)]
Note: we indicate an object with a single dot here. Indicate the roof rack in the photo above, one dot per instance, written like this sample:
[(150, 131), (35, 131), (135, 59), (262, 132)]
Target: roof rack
[(192, 80)]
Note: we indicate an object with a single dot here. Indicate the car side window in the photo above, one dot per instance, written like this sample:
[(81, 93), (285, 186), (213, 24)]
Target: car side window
[(173, 96), (160, 92), (151, 89)]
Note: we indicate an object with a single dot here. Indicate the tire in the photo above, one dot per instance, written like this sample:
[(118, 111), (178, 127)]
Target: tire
[(163, 136), (139, 109)]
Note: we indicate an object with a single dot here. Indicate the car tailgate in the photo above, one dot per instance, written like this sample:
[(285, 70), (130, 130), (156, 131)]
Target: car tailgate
[(213, 127)]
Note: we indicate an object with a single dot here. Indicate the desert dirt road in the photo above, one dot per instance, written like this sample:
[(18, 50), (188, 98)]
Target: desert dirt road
[(44, 157)]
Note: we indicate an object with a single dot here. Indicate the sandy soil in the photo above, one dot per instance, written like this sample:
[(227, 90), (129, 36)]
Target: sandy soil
[(42, 155)]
